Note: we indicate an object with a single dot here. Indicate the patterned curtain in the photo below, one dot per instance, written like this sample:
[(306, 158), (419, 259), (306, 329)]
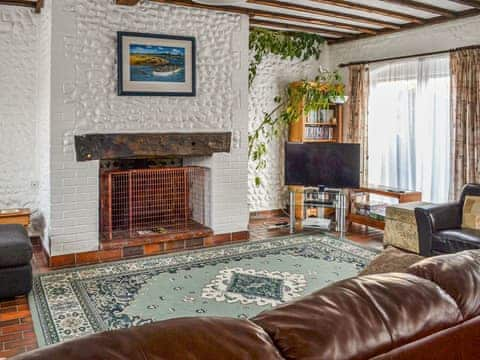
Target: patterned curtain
[(465, 82), (356, 125)]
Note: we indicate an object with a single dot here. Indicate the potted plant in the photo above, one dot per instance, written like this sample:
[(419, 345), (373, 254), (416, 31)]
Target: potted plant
[(307, 95)]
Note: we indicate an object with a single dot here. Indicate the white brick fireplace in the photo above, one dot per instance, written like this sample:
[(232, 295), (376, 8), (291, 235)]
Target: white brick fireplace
[(84, 100)]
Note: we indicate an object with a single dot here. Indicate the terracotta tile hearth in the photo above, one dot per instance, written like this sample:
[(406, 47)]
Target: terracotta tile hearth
[(147, 246)]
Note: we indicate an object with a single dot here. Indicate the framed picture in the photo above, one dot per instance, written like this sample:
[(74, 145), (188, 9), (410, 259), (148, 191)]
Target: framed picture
[(156, 65)]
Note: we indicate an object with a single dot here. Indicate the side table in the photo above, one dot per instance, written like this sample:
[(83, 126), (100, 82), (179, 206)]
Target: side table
[(15, 216), (401, 226)]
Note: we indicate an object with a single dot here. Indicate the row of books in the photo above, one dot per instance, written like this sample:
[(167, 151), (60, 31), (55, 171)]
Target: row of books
[(321, 116), (321, 133)]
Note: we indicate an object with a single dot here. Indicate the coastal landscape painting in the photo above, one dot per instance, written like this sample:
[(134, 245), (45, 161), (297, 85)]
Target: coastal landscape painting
[(157, 63), (160, 65)]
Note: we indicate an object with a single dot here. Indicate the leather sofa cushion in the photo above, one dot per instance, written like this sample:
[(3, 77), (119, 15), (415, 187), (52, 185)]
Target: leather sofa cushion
[(15, 246), (455, 240), (360, 317), (182, 339), (455, 343), (458, 274)]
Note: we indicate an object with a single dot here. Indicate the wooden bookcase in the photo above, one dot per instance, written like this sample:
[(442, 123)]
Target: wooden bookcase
[(298, 132)]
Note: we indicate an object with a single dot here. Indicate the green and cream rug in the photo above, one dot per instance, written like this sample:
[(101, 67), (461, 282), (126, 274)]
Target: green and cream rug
[(237, 281)]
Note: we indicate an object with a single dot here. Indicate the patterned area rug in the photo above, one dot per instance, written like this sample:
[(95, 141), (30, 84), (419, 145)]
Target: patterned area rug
[(237, 281)]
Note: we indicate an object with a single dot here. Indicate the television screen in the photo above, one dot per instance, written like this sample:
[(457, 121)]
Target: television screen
[(322, 164)]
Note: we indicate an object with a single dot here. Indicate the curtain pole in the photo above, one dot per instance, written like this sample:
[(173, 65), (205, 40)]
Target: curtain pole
[(408, 56)]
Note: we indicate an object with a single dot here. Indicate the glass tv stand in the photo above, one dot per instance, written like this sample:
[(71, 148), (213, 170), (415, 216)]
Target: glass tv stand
[(304, 200)]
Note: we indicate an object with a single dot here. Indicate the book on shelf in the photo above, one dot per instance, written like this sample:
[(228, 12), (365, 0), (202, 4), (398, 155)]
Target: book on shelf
[(319, 133), (321, 116)]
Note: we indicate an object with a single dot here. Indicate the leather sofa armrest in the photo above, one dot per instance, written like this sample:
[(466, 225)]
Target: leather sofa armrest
[(431, 219)]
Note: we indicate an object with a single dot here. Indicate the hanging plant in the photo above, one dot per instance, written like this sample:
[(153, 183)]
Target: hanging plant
[(287, 45), (325, 89)]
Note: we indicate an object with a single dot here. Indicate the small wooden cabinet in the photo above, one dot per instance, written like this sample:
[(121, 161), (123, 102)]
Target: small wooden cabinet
[(15, 216)]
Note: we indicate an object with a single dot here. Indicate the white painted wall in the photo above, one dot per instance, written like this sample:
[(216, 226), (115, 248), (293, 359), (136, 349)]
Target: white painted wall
[(273, 77), (24, 105), (43, 121), (84, 100), (422, 40)]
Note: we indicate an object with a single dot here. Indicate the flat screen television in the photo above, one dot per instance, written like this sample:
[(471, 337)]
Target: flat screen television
[(329, 165)]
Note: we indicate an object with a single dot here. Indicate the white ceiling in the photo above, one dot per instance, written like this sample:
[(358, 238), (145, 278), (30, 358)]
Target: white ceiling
[(308, 19)]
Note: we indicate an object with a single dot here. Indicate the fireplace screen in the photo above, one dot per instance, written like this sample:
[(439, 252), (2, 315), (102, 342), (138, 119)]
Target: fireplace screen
[(143, 202)]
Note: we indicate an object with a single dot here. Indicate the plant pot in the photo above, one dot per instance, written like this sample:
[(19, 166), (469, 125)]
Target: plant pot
[(339, 100)]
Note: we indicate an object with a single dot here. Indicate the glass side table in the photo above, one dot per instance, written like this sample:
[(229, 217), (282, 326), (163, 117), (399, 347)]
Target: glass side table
[(304, 199)]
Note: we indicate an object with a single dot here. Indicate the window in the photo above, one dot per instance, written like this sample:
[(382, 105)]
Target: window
[(409, 126)]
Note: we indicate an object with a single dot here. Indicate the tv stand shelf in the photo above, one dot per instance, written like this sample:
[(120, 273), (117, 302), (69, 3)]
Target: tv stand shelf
[(399, 195)]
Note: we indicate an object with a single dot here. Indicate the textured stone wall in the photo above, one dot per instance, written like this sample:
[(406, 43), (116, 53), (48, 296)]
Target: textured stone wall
[(84, 100), (274, 75), (20, 78), (43, 120)]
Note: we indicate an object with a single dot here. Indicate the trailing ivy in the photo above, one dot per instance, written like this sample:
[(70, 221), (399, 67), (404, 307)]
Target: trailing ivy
[(287, 45), (308, 96)]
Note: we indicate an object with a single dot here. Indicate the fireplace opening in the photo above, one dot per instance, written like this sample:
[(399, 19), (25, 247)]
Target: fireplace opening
[(142, 198)]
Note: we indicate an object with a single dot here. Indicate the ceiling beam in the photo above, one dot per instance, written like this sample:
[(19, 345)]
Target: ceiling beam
[(271, 15), (371, 9), (471, 3), (312, 21), (433, 21), (423, 7), (39, 6), (327, 34), (127, 2), (317, 11)]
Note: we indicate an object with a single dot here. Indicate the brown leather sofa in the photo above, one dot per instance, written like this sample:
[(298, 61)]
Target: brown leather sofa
[(430, 312)]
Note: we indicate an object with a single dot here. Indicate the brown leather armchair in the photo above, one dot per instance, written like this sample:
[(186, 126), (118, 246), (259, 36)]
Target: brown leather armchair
[(440, 227), (430, 312)]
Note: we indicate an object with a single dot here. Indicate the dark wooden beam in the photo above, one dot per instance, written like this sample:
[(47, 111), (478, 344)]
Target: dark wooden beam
[(127, 2), (271, 15), (423, 7), (313, 21), (128, 146), (433, 21), (23, 3), (327, 34), (471, 3), (39, 6), (317, 11), (371, 9)]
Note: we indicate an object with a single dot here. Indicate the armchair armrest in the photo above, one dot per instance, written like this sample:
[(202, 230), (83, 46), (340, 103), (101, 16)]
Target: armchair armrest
[(433, 218)]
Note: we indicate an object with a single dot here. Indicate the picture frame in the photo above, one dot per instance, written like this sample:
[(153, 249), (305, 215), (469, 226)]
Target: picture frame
[(156, 64)]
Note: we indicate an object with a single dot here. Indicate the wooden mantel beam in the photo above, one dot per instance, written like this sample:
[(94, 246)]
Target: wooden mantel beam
[(37, 5)]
